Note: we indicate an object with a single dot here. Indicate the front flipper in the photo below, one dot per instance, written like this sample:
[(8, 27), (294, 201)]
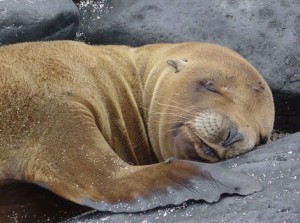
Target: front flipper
[(75, 161), (163, 184)]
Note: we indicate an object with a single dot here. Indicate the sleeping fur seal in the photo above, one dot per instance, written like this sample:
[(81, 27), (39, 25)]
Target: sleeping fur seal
[(114, 128)]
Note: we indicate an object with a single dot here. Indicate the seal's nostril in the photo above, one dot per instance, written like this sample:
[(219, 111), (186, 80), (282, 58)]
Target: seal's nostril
[(233, 136)]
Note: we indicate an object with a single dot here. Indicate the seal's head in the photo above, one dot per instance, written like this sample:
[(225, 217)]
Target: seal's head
[(210, 105)]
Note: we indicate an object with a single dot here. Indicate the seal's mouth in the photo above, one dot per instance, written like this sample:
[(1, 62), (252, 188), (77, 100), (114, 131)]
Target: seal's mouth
[(188, 145), (206, 149), (205, 152)]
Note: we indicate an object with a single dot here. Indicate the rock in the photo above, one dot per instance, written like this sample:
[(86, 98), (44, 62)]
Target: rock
[(276, 165), (90, 13), (267, 33), (32, 20)]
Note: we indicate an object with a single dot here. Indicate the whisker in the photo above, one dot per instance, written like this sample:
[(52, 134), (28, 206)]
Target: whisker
[(166, 122), (175, 102), (176, 107), (174, 129), (170, 114), (162, 113)]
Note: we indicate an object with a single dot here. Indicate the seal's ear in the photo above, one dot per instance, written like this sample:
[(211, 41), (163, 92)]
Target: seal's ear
[(177, 64)]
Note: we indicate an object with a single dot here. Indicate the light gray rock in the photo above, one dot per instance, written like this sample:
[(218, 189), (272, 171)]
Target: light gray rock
[(32, 20), (276, 165), (266, 32)]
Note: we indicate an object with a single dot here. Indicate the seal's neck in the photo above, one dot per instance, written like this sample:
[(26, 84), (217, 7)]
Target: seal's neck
[(119, 78), (128, 87), (151, 69)]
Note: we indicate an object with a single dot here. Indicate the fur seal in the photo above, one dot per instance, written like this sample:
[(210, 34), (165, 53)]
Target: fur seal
[(99, 125)]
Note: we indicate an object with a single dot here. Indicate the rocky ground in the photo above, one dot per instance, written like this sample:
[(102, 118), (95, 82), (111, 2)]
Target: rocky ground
[(275, 165)]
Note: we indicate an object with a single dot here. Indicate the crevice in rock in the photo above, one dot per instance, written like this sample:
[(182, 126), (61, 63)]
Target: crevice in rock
[(287, 112)]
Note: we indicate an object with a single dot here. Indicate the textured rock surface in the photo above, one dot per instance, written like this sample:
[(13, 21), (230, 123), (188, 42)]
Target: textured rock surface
[(266, 32), (276, 165), (31, 20)]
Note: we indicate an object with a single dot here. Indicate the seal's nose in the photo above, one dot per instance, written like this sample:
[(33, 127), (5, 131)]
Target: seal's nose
[(233, 136)]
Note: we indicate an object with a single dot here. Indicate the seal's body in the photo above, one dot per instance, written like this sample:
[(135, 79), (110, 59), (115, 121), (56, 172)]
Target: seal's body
[(85, 121)]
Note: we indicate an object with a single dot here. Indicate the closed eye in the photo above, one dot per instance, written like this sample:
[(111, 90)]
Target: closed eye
[(207, 86)]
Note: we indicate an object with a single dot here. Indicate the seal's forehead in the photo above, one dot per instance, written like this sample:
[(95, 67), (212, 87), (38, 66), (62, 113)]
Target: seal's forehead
[(227, 69), (221, 71), (216, 56), (238, 82)]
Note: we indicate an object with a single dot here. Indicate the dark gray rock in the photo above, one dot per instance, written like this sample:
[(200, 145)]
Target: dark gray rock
[(267, 33), (90, 13), (31, 20), (276, 165)]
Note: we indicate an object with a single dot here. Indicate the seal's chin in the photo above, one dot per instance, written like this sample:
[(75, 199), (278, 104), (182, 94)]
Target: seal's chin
[(205, 152), (188, 145), (206, 149)]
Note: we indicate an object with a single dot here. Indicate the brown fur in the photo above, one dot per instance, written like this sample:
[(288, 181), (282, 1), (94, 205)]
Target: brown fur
[(73, 116)]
